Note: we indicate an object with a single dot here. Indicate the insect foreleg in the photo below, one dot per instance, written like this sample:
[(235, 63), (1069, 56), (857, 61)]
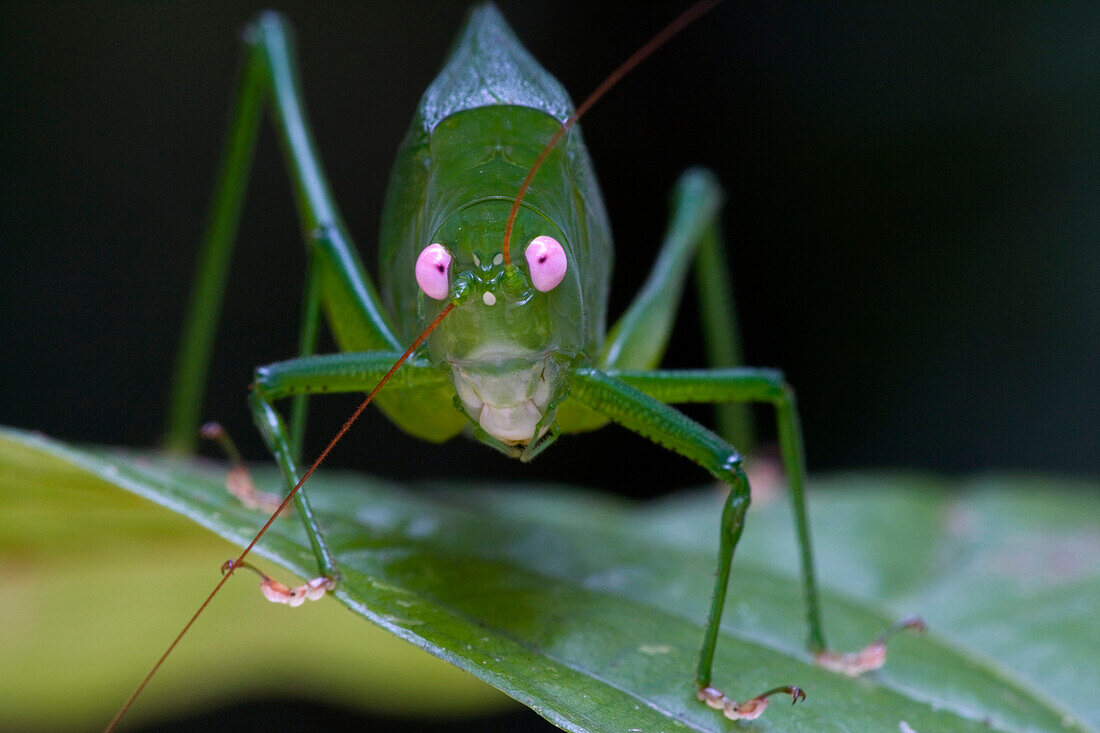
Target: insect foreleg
[(334, 373), (768, 386), (271, 426), (744, 384), (666, 426)]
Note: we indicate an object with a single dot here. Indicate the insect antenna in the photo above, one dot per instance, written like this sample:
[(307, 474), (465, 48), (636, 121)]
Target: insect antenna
[(682, 21), (677, 25), (232, 565)]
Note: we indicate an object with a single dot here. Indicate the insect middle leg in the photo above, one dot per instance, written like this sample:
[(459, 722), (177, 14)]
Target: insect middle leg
[(767, 386)]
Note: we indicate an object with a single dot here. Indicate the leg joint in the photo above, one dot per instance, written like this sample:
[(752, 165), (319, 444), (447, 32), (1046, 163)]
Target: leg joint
[(263, 25), (788, 395), (261, 380), (729, 466), (323, 235), (782, 392)]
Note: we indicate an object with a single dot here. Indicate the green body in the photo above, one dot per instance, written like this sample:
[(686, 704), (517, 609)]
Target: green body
[(474, 137), (476, 133)]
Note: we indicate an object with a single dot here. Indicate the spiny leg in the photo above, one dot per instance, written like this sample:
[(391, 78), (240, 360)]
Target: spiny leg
[(768, 386), (745, 384), (730, 528), (286, 446), (639, 339), (666, 426), (330, 374), (271, 426)]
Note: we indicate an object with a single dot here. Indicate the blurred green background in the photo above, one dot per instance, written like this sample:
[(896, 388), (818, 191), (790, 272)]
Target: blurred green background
[(913, 214)]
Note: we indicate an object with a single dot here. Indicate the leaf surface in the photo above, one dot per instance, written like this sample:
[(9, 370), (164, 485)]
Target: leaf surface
[(591, 610)]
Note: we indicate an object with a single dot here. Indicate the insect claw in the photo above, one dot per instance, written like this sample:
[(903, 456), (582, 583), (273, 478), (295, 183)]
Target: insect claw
[(277, 592), (853, 664), (749, 710), (238, 481), (796, 693), (870, 657), (912, 622)]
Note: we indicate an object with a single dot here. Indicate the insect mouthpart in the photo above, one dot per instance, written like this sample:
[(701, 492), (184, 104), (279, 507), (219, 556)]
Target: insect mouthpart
[(509, 397)]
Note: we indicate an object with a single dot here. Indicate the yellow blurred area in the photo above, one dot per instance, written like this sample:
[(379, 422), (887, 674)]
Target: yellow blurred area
[(96, 583)]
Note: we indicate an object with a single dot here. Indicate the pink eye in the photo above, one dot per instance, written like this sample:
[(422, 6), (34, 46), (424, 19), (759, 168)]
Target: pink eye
[(547, 262), (433, 271)]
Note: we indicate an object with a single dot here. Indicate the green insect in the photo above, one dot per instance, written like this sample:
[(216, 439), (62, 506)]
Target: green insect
[(504, 282)]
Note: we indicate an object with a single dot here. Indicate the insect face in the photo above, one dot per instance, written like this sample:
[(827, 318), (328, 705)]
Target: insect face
[(505, 344)]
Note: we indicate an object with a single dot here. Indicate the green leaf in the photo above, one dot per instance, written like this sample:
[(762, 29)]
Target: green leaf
[(591, 610)]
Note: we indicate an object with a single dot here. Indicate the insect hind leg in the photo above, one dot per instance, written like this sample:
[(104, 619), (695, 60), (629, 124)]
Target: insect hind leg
[(238, 480), (269, 79)]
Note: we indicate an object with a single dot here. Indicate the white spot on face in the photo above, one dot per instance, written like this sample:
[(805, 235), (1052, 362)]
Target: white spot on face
[(477, 261), (488, 298), (499, 258)]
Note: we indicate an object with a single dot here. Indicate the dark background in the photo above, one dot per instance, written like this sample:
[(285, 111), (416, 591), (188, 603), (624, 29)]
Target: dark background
[(912, 215)]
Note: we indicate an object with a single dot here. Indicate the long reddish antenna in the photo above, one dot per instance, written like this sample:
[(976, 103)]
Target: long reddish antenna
[(682, 21), (234, 564)]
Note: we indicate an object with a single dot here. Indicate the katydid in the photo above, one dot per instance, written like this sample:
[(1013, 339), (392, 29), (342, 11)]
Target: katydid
[(495, 258)]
